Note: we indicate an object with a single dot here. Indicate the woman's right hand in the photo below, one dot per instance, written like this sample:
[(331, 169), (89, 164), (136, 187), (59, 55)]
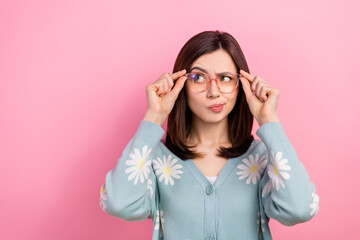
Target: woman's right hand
[(162, 94)]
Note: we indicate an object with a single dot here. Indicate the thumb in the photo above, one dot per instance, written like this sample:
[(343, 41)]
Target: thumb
[(174, 93), (246, 86)]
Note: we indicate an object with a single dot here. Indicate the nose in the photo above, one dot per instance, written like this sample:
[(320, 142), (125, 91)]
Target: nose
[(213, 90)]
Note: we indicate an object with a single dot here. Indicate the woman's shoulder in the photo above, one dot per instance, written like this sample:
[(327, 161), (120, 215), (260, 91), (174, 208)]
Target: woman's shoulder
[(163, 149), (257, 146)]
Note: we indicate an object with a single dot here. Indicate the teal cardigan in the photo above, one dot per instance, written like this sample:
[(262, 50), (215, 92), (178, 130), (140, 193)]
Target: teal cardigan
[(268, 181)]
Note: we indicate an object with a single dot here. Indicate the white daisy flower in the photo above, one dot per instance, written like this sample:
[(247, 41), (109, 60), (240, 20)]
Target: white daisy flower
[(159, 221), (167, 169), (267, 188), (139, 166), (252, 169), (314, 205), (262, 222), (149, 187), (277, 170)]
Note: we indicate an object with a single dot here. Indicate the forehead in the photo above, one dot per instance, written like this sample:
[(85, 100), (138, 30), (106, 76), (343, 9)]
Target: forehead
[(214, 62)]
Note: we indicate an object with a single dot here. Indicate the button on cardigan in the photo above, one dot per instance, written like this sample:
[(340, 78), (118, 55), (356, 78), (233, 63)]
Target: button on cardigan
[(267, 181)]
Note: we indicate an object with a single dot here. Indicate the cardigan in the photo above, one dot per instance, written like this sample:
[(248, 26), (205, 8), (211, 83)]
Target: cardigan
[(267, 181)]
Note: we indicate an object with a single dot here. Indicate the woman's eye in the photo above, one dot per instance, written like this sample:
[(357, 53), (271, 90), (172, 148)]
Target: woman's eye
[(226, 78), (197, 77)]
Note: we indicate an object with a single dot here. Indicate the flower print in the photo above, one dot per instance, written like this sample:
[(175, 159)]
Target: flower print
[(149, 187), (277, 170), (139, 166), (314, 205), (159, 221), (167, 169), (260, 221), (103, 197), (252, 169), (267, 188)]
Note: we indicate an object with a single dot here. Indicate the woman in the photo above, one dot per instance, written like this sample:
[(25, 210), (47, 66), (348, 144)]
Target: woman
[(210, 179)]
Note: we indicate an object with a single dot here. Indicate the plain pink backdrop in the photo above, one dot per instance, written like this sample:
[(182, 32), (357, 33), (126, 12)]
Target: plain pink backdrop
[(72, 94)]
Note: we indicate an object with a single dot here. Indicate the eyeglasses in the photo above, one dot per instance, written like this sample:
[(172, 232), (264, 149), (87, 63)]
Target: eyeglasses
[(200, 81)]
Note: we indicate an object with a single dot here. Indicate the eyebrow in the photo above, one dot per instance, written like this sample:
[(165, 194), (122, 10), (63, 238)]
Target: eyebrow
[(203, 70)]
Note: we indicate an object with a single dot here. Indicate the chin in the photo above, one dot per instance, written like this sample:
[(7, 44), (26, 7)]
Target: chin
[(212, 117)]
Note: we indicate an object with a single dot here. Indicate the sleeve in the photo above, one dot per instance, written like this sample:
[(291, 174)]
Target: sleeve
[(285, 191), (130, 189)]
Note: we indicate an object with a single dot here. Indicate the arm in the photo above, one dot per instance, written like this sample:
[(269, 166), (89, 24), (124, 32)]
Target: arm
[(287, 194), (129, 191)]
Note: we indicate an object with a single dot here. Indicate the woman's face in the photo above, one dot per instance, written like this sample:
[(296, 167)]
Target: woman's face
[(199, 102)]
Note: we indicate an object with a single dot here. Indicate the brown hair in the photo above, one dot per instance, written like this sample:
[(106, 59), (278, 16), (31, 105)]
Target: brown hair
[(240, 118)]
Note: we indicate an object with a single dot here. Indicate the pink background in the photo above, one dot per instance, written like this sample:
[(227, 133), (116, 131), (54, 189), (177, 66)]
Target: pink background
[(72, 94)]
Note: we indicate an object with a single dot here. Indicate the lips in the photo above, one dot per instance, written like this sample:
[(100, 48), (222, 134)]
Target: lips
[(216, 107)]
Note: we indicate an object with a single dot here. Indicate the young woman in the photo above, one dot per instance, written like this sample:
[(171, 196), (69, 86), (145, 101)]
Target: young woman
[(210, 179)]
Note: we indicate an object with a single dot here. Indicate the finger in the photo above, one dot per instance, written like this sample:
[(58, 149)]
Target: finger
[(246, 87), (247, 75), (263, 92), (166, 83), (153, 90), (178, 74), (258, 88), (178, 86), (255, 83), (161, 86), (169, 82), (259, 85)]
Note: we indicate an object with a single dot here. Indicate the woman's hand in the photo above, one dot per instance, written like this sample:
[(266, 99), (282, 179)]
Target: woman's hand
[(162, 94), (261, 97)]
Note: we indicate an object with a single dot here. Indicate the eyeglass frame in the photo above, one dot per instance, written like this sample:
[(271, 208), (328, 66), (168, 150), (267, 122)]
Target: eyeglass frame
[(238, 75)]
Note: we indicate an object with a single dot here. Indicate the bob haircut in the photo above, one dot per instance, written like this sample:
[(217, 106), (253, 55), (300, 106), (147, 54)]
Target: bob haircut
[(240, 119)]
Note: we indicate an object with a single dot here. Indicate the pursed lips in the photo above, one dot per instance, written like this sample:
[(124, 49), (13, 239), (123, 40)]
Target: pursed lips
[(216, 105)]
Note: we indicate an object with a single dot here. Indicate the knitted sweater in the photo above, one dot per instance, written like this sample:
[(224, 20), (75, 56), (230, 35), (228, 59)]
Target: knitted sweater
[(268, 181)]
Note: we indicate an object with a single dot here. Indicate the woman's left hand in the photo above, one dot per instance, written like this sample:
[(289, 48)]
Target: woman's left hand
[(261, 98)]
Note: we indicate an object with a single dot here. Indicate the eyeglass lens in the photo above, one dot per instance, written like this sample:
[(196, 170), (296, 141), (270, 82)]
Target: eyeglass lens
[(200, 81)]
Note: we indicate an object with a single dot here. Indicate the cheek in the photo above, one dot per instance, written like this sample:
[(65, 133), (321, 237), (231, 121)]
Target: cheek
[(189, 97), (232, 99), (194, 100), (235, 97), (236, 93)]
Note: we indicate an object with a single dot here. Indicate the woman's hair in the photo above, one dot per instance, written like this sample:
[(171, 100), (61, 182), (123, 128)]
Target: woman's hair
[(240, 118)]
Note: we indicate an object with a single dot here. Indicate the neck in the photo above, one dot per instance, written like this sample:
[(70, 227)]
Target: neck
[(208, 134)]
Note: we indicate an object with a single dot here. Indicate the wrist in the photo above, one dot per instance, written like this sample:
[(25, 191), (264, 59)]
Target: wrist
[(262, 121), (155, 118)]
